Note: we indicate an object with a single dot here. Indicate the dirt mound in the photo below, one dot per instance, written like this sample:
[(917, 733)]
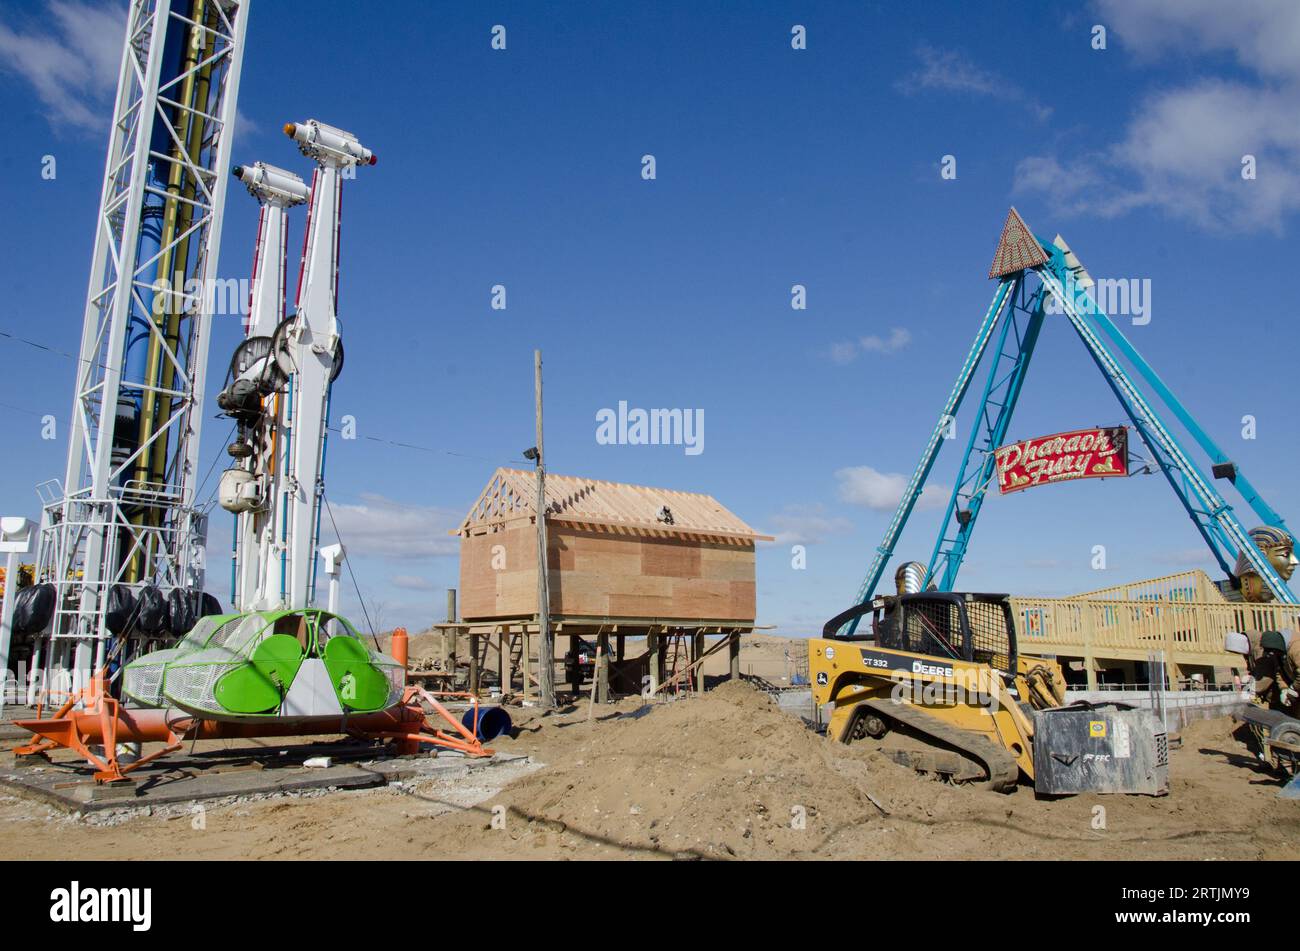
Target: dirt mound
[(723, 775), (730, 775), (671, 778)]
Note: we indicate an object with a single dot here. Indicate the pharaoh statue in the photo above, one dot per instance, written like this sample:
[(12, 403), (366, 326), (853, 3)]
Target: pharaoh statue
[(1279, 547)]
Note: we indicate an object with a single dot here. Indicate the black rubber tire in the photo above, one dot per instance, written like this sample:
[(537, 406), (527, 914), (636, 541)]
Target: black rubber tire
[(182, 611), (34, 608), (151, 610), (209, 605), (120, 608)]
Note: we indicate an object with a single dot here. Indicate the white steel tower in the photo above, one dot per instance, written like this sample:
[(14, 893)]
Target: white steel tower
[(278, 387), (243, 488)]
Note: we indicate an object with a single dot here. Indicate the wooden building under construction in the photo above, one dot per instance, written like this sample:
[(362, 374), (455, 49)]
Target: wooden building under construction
[(623, 561)]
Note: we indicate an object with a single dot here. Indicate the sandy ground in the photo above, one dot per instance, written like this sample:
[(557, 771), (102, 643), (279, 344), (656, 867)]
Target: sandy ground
[(723, 776)]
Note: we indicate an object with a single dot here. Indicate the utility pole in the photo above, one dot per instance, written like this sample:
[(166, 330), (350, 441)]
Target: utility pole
[(545, 645)]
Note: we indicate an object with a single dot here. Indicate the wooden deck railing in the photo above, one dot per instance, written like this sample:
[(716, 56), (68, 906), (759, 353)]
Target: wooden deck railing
[(1194, 585), (1189, 632)]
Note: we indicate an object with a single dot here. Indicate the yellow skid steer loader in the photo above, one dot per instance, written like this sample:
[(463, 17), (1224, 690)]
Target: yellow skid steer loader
[(939, 685)]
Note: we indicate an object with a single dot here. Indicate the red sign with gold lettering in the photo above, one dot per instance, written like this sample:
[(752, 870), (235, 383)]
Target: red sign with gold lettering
[(1062, 457)]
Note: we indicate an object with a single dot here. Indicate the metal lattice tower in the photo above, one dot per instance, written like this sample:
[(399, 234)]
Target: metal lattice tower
[(125, 511)]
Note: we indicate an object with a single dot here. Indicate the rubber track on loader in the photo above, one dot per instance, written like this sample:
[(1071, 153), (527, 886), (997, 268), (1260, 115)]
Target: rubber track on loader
[(999, 765)]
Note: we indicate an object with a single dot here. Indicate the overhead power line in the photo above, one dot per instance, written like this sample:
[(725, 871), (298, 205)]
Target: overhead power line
[(400, 444)]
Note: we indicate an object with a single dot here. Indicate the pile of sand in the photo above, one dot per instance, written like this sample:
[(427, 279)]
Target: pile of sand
[(724, 775), (729, 775)]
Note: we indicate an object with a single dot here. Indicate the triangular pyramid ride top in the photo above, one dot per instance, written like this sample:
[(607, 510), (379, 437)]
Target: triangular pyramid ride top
[(1018, 249)]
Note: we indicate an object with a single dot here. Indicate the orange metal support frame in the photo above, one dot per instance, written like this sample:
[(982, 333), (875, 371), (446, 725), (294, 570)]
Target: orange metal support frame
[(102, 723)]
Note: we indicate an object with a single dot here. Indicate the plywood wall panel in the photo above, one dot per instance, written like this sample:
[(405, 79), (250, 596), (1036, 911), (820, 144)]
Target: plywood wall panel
[(603, 574), (674, 559)]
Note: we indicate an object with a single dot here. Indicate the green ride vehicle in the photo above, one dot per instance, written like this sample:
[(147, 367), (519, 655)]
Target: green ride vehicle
[(292, 665)]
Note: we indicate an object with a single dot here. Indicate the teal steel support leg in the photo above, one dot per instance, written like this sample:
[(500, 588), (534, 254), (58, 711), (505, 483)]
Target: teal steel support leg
[(1082, 314), (1219, 546), (914, 486), (1248, 492), (972, 487)]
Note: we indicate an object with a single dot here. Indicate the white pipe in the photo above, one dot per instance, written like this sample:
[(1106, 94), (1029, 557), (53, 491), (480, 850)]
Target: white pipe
[(15, 540)]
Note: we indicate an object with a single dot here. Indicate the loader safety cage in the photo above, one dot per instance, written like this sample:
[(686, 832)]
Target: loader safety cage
[(976, 628)]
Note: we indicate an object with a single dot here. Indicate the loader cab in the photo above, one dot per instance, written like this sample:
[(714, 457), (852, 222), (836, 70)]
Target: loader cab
[(977, 628)]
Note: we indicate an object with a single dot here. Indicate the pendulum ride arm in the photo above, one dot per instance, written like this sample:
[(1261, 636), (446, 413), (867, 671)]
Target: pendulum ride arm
[(313, 348), (276, 191), (914, 486), (1218, 457), (1219, 545), (1006, 377), (1202, 498)]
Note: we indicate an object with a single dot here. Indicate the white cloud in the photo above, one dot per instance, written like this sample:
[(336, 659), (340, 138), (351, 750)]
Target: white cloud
[(898, 339), (387, 528), (844, 352), (71, 63), (849, 350), (882, 491), (245, 126), (953, 71), (1263, 35), (805, 525), (1181, 152), (412, 583)]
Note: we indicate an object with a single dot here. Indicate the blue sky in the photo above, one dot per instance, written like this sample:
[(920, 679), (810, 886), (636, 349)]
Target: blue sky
[(774, 167)]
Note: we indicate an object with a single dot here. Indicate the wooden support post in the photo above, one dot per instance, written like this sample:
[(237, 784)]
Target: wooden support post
[(602, 667), (1089, 659), (475, 675), (507, 669), (527, 659), (697, 651), (654, 660), (1172, 668), (453, 635), (622, 646), (575, 672), (733, 649), (689, 670)]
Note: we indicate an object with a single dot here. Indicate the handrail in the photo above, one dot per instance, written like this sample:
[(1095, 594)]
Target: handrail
[(1189, 632)]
